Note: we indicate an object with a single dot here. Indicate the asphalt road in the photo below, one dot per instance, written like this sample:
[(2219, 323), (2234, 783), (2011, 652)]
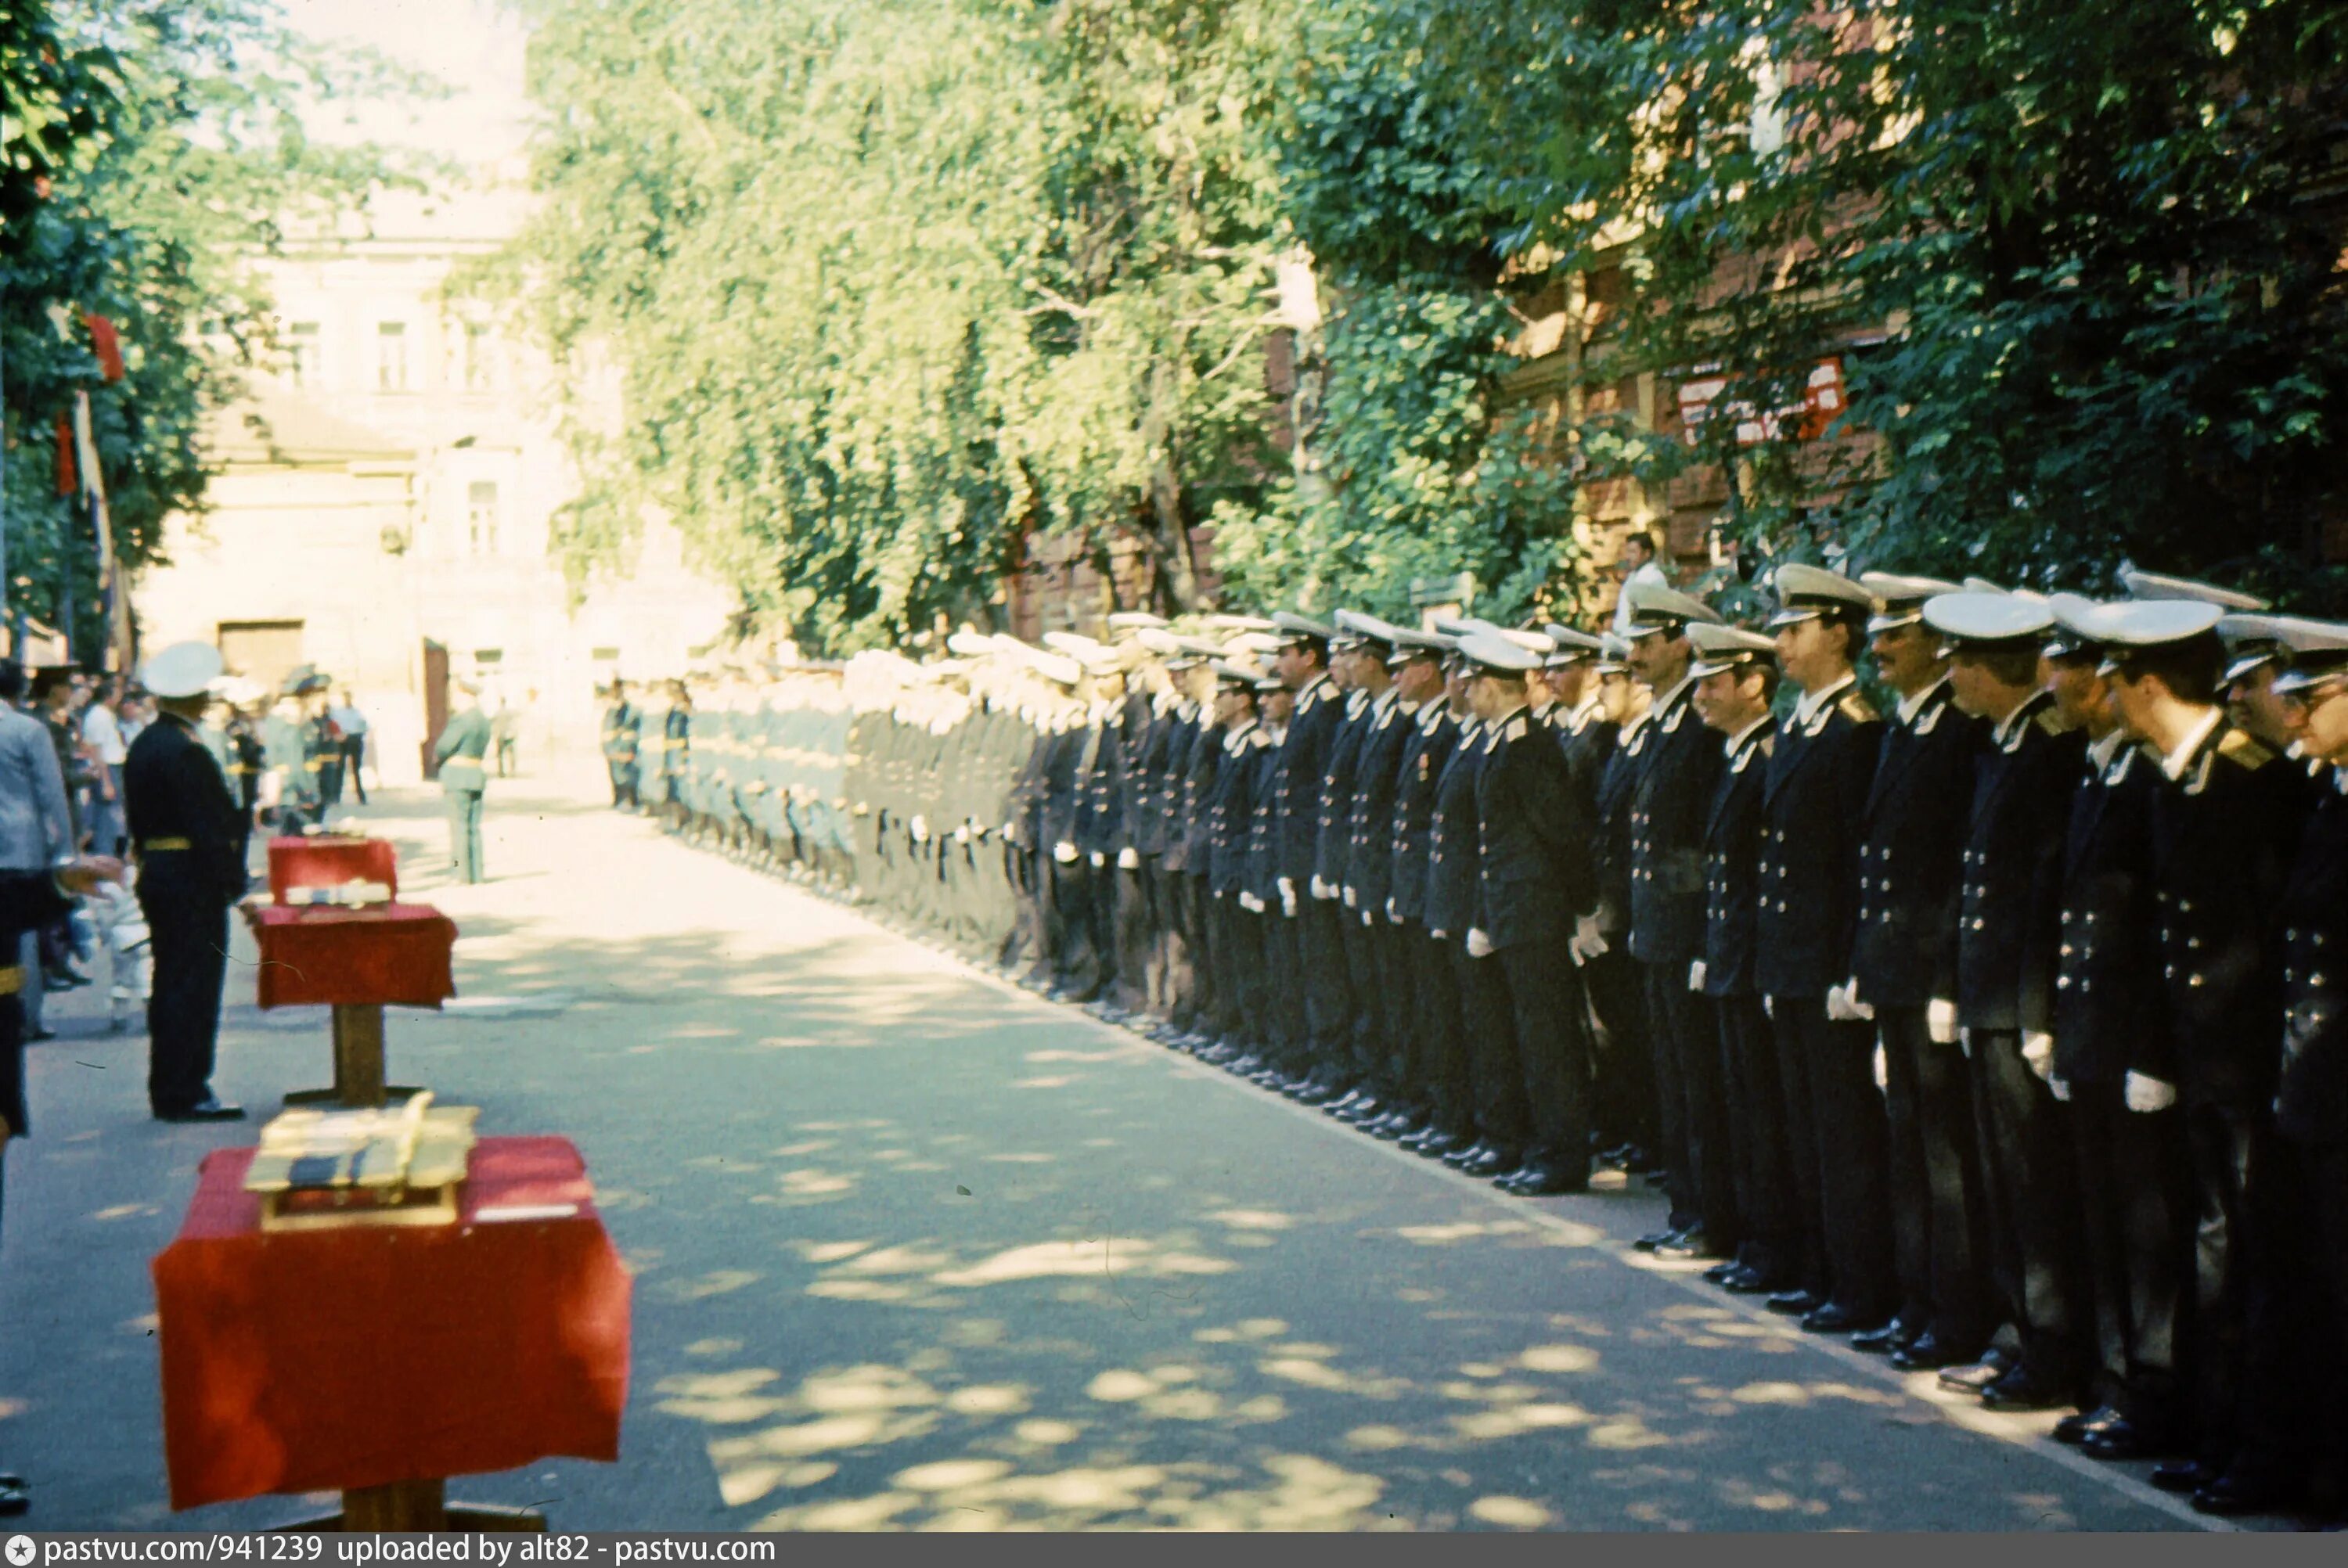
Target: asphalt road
[(914, 1249)]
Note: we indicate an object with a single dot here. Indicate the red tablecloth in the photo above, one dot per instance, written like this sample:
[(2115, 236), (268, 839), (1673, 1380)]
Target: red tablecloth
[(329, 861), (395, 953), (320, 1360)]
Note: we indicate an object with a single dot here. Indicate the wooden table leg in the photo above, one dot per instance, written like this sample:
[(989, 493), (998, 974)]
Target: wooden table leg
[(358, 1054)]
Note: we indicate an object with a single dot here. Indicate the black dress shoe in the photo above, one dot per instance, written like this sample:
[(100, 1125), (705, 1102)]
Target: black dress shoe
[(1544, 1182), (1834, 1317), (1972, 1377), (1929, 1353), (1493, 1162), (1366, 1108), (1884, 1341), (1689, 1242), (2182, 1475), (2244, 1490), (206, 1110), (35, 1036), (1746, 1280), (2026, 1389), (1794, 1303), (14, 1496), (1653, 1239), (1719, 1271), (2122, 1438), (1461, 1158), (2079, 1425)]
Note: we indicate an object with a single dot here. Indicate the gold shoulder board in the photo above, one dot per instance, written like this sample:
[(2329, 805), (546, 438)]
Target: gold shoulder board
[(2245, 750), (1517, 730), (1855, 708)]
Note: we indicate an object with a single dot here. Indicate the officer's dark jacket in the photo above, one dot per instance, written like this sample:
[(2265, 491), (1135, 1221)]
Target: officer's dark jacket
[(1679, 761), (1100, 817), (1063, 786), (1331, 841), (1266, 775), (1453, 864), (1148, 809), (1533, 876), (1434, 733), (2108, 1011), (1370, 829), (172, 789), (1618, 778), (1587, 752), (1903, 948), (1813, 802), (2223, 835), (1303, 762), (1190, 837), (2312, 1102), (2024, 774), (1731, 864)]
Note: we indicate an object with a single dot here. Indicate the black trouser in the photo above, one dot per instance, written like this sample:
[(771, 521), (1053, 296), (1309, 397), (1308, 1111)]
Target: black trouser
[(1768, 1233), (1366, 1024), (1694, 1122), (330, 777), (189, 952), (1940, 1246), (1280, 1014), (1553, 1035), (2029, 1167), (2234, 1231), (1400, 1072), (1442, 1051), (1189, 968), (1236, 949), (1488, 1032), (354, 753), (1328, 1000), (1131, 922), (1830, 1066), (1068, 920), (2135, 1209), (1623, 1101), (624, 784)]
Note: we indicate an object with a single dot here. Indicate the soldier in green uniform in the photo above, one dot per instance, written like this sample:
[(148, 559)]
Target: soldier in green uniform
[(463, 778)]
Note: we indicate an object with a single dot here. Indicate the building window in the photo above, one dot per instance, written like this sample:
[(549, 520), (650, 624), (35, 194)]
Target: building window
[(477, 358), (482, 517), (303, 352), (489, 655), (391, 356)]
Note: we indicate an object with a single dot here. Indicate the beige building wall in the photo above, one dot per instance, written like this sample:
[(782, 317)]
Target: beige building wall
[(394, 482)]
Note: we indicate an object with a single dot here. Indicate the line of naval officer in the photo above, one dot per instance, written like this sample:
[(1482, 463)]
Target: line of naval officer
[(1968, 1029)]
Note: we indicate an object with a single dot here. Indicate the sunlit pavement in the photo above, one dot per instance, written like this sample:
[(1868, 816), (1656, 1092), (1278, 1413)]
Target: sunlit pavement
[(914, 1249)]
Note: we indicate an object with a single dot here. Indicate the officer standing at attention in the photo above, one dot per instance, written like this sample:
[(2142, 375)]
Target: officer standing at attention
[(463, 744), (623, 738), (190, 838)]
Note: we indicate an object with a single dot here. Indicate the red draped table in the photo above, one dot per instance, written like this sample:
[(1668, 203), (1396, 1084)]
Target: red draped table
[(358, 960), (330, 860), (378, 1360)]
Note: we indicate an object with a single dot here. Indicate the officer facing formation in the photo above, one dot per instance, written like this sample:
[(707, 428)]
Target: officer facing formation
[(2001, 1030)]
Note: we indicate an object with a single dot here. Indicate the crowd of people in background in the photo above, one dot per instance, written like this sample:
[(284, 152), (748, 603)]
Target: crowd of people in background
[(1959, 962)]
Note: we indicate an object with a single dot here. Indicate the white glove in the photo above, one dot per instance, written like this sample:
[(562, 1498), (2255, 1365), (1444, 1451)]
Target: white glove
[(1065, 852), (1941, 1022), (1843, 1005), (1288, 897), (1392, 916), (1010, 833), (1882, 1071), (1695, 976), (2038, 1050), (1438, 935), (2060, 1087), (1479, 946), (1965, 1043), (1318, 888), (2146, 1095), (1249, 901), (1770, 1007), (1098, 859), (1129, 860), (1594, 941), (921, 826), (962, 834), (1349, 898)]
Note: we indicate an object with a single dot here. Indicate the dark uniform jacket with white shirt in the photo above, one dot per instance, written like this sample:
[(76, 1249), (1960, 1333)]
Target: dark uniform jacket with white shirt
[(2013, 859), (2108, 1013), (1813, 806), (1453, 866), (1733, 835), (1434, 733), (1678, 764), (2312, 1099), (1533, 877), (1370, 831), (1904, 941)]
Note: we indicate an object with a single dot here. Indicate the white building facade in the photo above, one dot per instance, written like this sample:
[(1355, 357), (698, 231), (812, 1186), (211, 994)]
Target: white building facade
[(383, 504)]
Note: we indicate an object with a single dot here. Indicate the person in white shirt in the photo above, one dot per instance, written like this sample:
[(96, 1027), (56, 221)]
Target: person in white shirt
[(101, 735), (1639, 564)]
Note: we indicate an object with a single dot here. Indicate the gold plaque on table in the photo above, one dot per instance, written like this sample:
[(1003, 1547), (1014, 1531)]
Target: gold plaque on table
[(399, 1165)]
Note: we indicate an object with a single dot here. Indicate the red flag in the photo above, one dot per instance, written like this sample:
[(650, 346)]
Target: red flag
[(68, 477), (102, 338)]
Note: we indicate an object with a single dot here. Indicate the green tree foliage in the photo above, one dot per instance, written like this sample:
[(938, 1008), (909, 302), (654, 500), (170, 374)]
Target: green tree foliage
[(155, 150), (885, 289)]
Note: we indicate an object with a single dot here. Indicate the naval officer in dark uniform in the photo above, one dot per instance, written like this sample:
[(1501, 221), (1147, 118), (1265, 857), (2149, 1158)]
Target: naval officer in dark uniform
[(190, 838)]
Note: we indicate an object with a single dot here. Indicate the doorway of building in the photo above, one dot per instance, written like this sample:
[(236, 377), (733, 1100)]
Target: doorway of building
[(435, 703)]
